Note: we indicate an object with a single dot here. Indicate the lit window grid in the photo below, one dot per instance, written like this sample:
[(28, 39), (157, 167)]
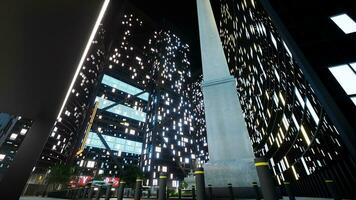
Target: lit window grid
[(267, 77)]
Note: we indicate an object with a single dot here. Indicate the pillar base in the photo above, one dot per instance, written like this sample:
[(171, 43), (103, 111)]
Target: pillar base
[(239, 172)]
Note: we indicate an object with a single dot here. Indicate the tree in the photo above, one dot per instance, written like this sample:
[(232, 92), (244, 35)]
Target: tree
[(59, 174), (130, 173)]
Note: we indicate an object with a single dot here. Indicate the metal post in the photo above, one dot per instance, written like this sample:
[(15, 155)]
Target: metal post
[(200, 183), (193, 192), (257, 191), (289, 190), (85, 191), (179, 193), (231, 191), (97, 195), (149, 193), (108, 192), (120, 190), (138, 190), (266, 179), (90, 195), (330, 184), (162, 186), (210, 189), (167, 193)]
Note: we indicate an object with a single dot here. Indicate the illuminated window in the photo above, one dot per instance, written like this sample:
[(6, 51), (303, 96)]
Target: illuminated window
[(2, 157), (90, 164), (13, 136), (345, 23), (346, 76), (305, 135), (121, 109), (23, 131), (115, 143), (112, 82)]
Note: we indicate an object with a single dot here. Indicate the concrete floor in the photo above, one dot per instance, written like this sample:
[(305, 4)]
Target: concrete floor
[(41, 198)]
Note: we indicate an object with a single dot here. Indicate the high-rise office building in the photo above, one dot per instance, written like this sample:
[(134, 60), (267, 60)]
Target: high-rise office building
[(141, 100), (170, 137), (286, 120), (120, 113), (13, 130)]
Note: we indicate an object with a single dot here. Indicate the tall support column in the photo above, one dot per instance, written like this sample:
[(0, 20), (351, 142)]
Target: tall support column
[(266, 179), (200, 183), (138, 189), (230, 150), (162, 186), (120, 190)]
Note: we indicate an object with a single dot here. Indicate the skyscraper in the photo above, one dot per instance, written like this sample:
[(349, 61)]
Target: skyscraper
[(287, 121)]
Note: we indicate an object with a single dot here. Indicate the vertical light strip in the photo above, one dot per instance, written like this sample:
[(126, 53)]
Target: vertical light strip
[(84, 55)]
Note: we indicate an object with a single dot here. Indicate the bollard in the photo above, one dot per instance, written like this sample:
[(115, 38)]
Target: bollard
[(231, 191), (157, 193), (289, 190), (210, 189), (98, 193), (90, 195), (108, 192), (138, 189), (120, 190), (266, 179), (179, 193), (83, 193), (162, 186), (193, 192), (167, 193), (257, 192), (149, 193), (200, 183), (330, 184)]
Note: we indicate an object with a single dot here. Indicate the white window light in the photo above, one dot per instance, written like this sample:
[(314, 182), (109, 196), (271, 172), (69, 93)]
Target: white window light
[(23, 131), (353, 100), (345, 23), (2, 157), (90, 164), (312, 112), (346, 77), (13, 136), (305, 135)]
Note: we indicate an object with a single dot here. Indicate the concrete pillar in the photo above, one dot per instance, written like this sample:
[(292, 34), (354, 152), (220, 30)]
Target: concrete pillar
[(229, 144), (200, 183), (330, 184), (120, 190), (138, 189), (162, 186), (266, 179)]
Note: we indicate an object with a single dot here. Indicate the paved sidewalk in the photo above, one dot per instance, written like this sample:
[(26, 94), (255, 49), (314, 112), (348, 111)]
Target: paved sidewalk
[(285, 198)]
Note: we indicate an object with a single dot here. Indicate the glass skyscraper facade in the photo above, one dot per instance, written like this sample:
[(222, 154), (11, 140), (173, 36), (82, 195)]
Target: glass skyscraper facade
[(286, 121), (134, 89)]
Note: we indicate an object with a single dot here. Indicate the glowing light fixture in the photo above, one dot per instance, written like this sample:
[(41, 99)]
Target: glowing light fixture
[(84, 55)]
